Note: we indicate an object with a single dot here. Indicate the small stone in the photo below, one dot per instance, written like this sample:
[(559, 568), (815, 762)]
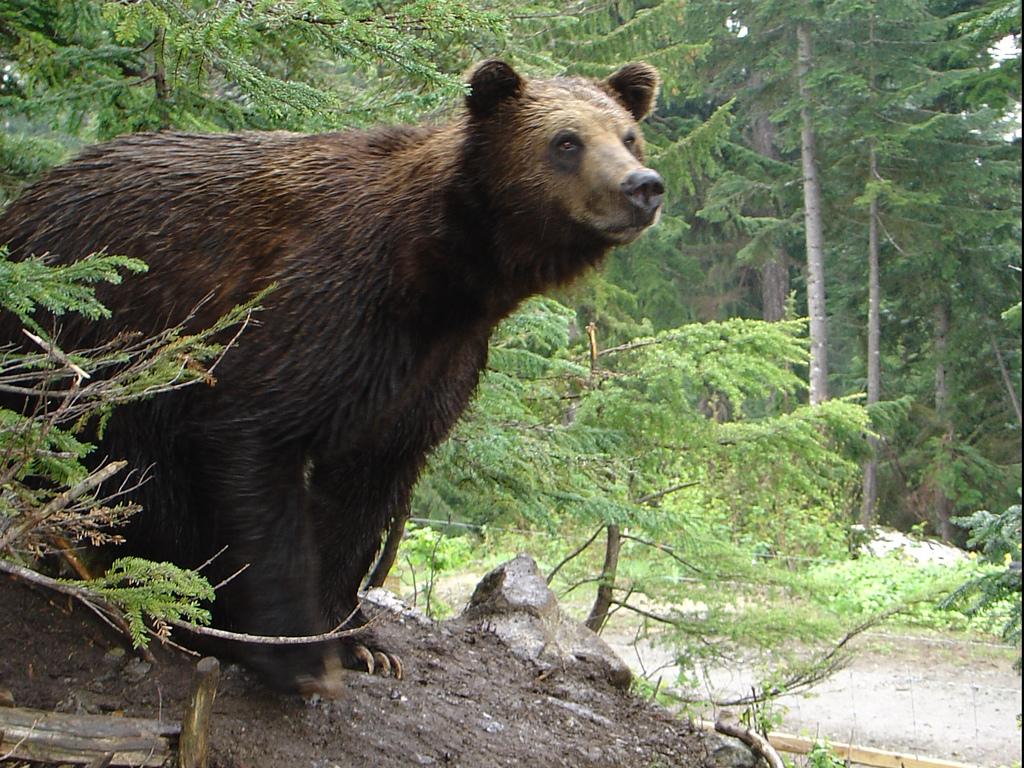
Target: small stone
[(136, 669), (491, 725)]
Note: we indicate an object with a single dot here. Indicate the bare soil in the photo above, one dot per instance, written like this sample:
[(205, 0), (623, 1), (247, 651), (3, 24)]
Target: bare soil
[(465, 700)]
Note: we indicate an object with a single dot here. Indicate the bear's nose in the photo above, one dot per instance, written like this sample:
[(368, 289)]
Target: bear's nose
[(645, 189)]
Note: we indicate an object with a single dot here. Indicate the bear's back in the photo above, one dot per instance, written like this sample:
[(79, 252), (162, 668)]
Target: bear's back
[(220, 214)]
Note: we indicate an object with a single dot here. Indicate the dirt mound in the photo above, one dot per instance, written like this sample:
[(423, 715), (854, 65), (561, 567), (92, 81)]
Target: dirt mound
[(465, 700)]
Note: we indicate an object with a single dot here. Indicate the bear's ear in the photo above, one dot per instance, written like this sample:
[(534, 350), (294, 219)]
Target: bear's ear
[(636, 87), (490, 83)]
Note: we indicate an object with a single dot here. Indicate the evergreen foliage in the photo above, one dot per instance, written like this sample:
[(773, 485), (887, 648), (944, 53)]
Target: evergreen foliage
[(152, 592), (998, 536), (50, 499), (917, 86), (75, 73), (551, 441)]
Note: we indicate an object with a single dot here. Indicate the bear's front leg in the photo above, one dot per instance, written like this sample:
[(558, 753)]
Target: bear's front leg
[(352, 501), (257, 509)]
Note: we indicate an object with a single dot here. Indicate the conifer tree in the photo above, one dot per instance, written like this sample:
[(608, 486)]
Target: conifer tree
[(887, 82), (898, 122)]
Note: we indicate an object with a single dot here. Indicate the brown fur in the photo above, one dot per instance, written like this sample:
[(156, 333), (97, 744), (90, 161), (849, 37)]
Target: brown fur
[(394, 252)]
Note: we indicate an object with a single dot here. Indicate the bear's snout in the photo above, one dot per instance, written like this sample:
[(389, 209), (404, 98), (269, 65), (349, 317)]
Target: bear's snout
[(645, 189)]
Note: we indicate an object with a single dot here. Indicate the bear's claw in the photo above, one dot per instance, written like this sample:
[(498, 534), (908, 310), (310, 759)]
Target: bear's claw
[(394, 666), (366, 656), (379, 662)]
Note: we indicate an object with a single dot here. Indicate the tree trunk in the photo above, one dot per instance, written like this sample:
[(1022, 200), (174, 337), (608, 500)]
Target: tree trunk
[(389, 552), (163, 91), (1007, 382), (774, 287), (813, 227), (603, 600), (943, 504), (599, 612), (869, 500), (774, 272)]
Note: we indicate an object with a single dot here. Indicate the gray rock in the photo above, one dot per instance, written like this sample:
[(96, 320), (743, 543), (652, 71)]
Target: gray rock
[(390, 602), (726, 752), (513, 602)]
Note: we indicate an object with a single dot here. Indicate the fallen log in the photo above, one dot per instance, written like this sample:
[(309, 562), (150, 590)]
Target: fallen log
[(55, 737)]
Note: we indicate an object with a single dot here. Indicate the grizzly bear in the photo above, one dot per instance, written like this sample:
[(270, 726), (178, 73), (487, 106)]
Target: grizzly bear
[(394, 253)]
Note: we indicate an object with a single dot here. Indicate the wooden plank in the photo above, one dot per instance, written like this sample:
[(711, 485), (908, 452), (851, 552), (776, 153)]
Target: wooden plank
[(32, 734), (874, 758)]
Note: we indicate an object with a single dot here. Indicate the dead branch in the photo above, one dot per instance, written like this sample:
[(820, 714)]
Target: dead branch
[(627, 347), (575, 585), (242, 637), (67, 551), (95, 600), (60, 501), (752, 739), (648, 614), (821, 669)]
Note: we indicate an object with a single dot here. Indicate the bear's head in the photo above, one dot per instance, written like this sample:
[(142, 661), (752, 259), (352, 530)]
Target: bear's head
[(571, 147)]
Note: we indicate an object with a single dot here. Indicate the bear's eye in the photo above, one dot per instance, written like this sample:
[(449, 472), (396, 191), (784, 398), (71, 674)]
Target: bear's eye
[(629, 140), (567, 142), (566, 151)]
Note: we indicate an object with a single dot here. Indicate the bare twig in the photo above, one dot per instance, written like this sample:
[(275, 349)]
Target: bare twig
[(576, 552), (243, 637), (671, 489), (57, 354), (648, 614), (628, 347), (580, 583), (214, 556), (665, 548), (232, 577), (821, 669), (93, 599)]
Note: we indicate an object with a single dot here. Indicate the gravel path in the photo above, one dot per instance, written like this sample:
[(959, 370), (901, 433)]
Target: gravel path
[(933, 696)]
